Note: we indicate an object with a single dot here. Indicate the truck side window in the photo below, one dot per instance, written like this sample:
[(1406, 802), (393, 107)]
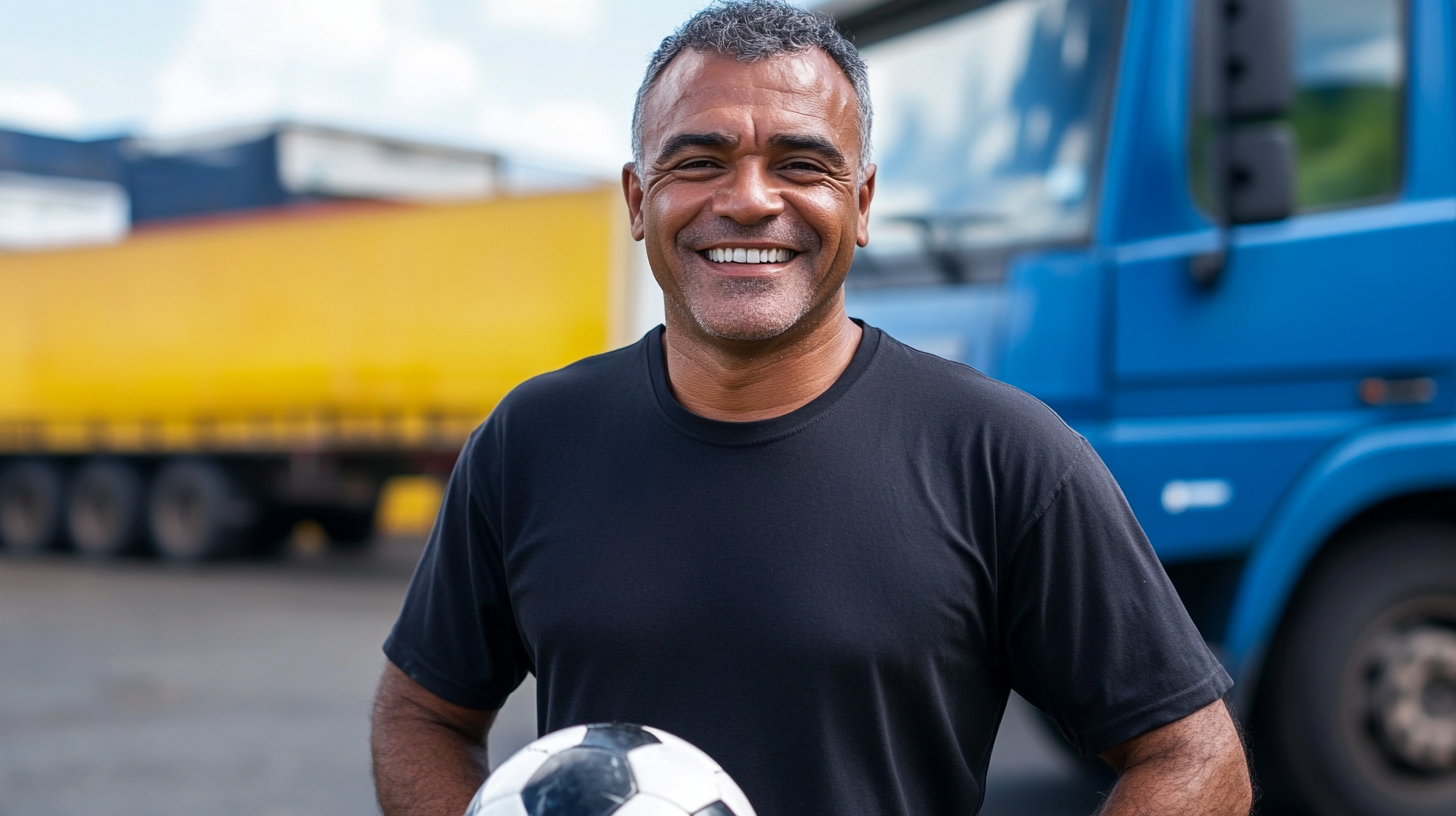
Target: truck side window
[(1350, 71), (1349, 64)]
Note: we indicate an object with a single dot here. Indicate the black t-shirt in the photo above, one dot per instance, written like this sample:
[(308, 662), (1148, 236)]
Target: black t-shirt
[(833, 603)]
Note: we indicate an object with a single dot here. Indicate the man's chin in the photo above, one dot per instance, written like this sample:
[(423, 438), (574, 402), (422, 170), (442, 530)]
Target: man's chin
[(746, 325)]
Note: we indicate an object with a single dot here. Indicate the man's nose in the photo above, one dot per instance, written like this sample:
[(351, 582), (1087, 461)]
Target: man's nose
[(749, 196)]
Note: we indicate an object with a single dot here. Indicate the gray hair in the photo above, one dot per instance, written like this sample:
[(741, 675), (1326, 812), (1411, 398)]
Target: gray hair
[(753, 30)]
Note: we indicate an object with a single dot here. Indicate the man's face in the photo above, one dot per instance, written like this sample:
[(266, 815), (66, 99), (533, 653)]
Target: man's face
[(743, 160)]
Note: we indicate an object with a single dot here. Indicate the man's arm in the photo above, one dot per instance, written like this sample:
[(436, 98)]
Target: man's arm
[(429, 754), (1195, 765)]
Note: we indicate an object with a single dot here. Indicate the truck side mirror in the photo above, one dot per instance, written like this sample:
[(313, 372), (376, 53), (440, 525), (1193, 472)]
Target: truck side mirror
[(1258, 58), (1246, 53), (1245, 85), (1260, 173)]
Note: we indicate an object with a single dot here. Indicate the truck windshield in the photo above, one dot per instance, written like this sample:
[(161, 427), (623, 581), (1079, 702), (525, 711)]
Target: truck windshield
[(988, 128)]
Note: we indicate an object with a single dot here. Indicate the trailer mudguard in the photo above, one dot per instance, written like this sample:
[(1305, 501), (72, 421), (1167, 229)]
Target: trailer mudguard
[(1365, 469)]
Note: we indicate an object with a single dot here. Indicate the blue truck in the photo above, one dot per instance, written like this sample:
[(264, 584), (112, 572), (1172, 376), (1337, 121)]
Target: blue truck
[(1219, 238)]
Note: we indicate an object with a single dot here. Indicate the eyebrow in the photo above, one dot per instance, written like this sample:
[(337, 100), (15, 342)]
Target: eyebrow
[(686, 141), (717, 141), (811, 143)]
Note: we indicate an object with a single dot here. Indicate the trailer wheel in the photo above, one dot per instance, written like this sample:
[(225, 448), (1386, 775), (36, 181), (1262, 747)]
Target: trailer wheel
[(30, 506), (1358, 715), (105, 510), (348, 529), (197, 512)]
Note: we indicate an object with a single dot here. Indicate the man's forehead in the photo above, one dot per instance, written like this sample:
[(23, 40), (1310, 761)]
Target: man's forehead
[(807, 71), (696, 83)]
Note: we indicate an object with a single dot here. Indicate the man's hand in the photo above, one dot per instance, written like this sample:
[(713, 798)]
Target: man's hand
[(429, 754), (1195, 765)]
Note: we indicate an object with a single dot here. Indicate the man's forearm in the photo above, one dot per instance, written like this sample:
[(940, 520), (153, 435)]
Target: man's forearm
[(1174, 789), (426, 762), (1195, 767)]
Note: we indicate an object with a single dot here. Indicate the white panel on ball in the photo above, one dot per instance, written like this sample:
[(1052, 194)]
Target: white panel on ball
[(506, 806), (676, 774), (513, 774), (559, 740), (645, 804), (670, 739), (732, 796)]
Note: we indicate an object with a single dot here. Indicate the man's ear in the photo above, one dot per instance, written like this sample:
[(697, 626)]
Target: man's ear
[(866, 194), (632, 189)]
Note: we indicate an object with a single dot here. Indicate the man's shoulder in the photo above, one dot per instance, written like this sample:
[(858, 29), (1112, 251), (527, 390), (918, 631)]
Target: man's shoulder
[(586, 381), (556, 401), (954, 394)]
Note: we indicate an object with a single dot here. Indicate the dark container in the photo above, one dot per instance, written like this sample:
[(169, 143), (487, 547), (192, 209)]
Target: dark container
[(205, 177), (98, 160)]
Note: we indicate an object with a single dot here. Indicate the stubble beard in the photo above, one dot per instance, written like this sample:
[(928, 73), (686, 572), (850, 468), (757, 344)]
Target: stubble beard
[(749, 309)]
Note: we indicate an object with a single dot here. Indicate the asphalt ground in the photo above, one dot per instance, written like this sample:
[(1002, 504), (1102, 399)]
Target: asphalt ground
[(243, 689)]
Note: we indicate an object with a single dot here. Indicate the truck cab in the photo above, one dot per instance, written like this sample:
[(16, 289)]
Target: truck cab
[(1219, 238)]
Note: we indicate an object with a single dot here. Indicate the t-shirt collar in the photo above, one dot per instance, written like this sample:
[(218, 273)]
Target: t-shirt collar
[(756, 432)]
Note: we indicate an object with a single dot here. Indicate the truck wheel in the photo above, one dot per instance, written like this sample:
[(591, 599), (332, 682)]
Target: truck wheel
[(30, 506), (105, 509), (1358, 717), (197, 512)]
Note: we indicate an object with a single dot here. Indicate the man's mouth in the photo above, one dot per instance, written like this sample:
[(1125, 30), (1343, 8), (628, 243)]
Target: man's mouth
[(744, 255)]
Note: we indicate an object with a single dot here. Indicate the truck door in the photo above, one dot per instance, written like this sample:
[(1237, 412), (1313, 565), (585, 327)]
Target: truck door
[(989, 133), (1224, 392)]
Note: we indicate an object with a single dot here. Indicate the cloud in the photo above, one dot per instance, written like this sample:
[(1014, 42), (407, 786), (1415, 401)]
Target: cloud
[(430, 73), (567, 18), (577, 132), (41, 107), (251, 60)]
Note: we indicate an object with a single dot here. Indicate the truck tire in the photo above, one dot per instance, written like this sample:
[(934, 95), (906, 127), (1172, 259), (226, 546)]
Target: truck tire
[(1358, 713), (30, 506), (106, 508), (197, 512)]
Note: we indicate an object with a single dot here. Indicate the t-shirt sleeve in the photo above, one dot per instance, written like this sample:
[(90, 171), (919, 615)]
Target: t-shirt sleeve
[(457, 634), (1094, 632)]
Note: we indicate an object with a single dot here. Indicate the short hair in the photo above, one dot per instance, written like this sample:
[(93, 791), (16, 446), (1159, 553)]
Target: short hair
[(753, 30)]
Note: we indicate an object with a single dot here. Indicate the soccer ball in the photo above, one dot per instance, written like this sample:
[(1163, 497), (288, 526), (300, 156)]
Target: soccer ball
[(616, 769)]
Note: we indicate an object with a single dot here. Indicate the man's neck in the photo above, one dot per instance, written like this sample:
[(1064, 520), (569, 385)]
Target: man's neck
[(741, 381)]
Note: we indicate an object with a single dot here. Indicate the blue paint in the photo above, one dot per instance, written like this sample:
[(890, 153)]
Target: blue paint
[(1258, 455), (1249, 391), (1366, 468), (963, 323)]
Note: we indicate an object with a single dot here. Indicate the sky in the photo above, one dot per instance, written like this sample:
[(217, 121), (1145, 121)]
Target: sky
[(543, 81)]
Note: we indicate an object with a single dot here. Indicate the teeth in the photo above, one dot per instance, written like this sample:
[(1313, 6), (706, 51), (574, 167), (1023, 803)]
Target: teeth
[(753, 256)]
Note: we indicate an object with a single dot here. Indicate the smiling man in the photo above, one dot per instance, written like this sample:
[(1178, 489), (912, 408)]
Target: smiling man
[(822, 556)]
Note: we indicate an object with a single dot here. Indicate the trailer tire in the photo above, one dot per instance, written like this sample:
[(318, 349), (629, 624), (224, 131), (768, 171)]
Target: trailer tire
[(31, 492), (348, 529), (105, 510), (1357, 716), (197, 512)]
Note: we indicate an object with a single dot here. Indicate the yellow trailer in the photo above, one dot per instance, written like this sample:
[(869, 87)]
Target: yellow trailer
[(202, 386)]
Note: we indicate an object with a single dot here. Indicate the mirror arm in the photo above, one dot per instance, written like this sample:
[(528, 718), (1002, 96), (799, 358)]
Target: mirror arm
[(1206, 268)]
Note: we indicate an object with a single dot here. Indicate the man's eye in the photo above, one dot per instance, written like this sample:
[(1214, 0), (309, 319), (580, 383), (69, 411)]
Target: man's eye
[(803, 167), (697, 164)]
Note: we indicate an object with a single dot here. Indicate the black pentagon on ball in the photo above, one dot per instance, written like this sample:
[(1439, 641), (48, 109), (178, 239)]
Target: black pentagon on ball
[(579, 781), (716, 809), (618, 737)]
